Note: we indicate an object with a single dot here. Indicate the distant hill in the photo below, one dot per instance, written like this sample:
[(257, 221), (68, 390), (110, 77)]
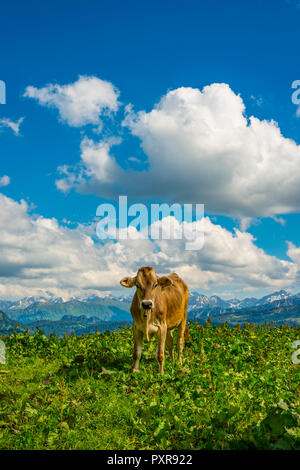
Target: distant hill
[(85, 315), (105, 309), (284, 314), (67, 325), (56, 316), (277, 299), (7, 325), (279, 307), (79, 325)]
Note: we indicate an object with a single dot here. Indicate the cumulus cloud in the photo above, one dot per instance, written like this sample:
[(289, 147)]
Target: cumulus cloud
[(4, 180), (38, 254), (14, 126), (205, 147), (226, 260), (79, 103), (96, 163), (294, 253), (202, 148)]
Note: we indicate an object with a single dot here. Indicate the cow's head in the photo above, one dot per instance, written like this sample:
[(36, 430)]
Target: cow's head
[(148, 284)]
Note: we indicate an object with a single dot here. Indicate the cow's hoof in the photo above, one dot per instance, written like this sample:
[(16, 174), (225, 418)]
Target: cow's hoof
[(135, 371)]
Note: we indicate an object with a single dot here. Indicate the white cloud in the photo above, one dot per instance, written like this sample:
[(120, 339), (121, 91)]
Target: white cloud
[(79, 103), (202, 144), (14, 126), (38, 254), (96, 163), (279, 220), (294, 253), (134, 159), (245, 223), (4, 180), (226, 260), (201, 148)]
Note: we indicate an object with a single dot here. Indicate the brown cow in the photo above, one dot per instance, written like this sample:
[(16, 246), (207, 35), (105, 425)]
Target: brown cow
[(158, 305)]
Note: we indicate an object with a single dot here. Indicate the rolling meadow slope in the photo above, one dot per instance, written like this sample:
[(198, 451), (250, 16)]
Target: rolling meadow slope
[(237, 389)]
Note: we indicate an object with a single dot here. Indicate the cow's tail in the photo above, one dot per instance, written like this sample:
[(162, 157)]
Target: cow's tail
[(187, 333)]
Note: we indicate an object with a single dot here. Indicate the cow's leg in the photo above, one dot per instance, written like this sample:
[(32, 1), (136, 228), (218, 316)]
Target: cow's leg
[(160, 351), (170, 344), (137, 350), (180, 340)]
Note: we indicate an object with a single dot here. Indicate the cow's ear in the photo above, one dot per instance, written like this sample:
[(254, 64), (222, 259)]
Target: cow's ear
[(164, 281), (128, 281)]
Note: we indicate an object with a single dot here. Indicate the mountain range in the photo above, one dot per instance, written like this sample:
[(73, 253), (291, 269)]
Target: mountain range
[(29, 309), (85, 314), (279, 307), (278, 298)]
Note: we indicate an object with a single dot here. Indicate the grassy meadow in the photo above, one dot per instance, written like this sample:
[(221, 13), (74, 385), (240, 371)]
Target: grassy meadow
[(237, 389)]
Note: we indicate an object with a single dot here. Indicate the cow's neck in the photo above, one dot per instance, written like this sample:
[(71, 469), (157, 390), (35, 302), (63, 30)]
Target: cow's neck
[(148, 321)]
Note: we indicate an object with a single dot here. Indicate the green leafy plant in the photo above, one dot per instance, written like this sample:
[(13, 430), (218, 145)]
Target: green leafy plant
[(237, 389)]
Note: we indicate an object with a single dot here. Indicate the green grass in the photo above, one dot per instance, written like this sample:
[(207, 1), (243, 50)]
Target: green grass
[(237, 389)]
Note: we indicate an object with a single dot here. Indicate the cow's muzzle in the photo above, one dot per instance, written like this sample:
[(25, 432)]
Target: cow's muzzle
[(146, 305)]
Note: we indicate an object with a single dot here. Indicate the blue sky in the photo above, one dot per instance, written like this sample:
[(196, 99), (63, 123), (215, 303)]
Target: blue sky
[(145, 50)]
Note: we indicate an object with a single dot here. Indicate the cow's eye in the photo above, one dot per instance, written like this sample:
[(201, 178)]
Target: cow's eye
[(156, 284), (138, 286)]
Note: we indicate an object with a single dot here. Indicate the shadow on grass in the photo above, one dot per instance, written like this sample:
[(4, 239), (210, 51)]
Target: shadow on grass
[(93, 365), (96, 364)]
